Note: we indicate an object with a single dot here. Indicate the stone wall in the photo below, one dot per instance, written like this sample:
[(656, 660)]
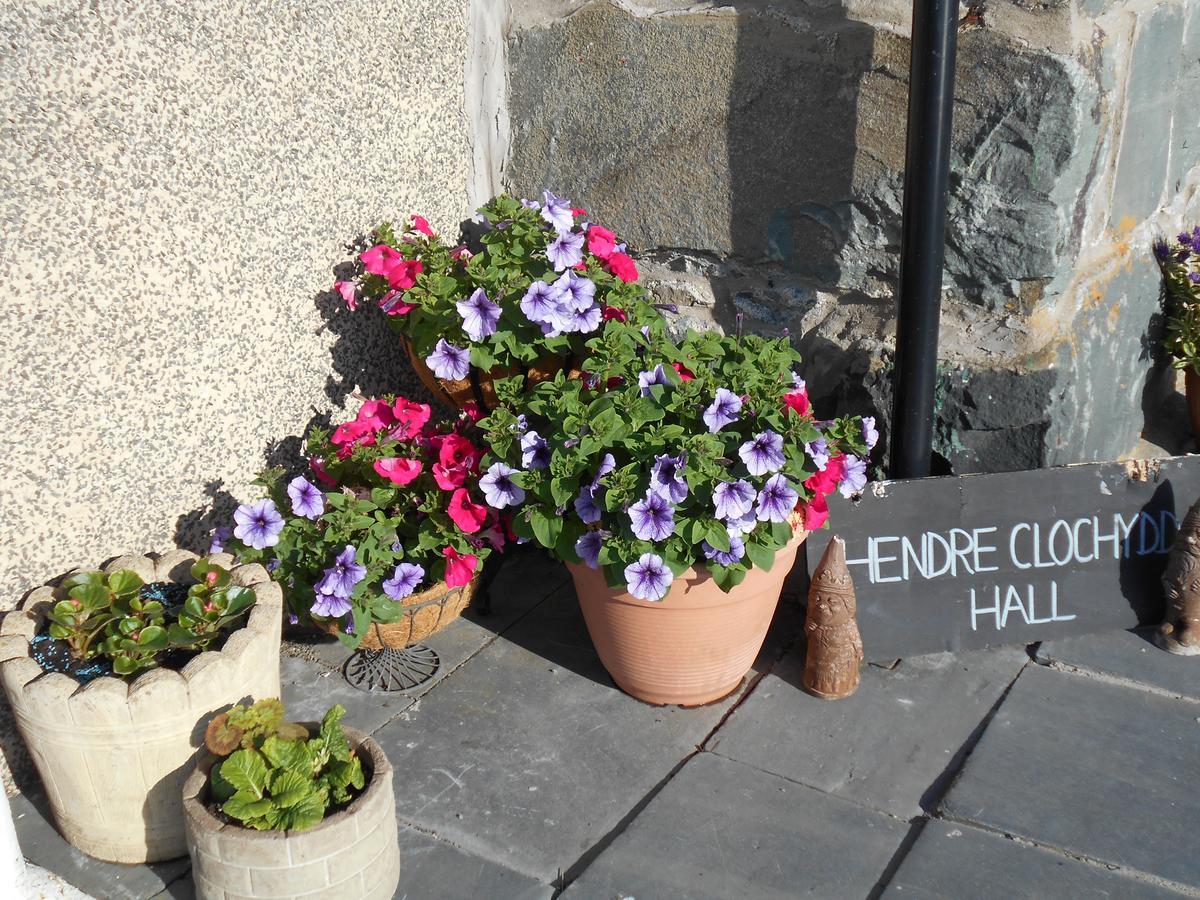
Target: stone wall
[(178, 180), (754, 152)]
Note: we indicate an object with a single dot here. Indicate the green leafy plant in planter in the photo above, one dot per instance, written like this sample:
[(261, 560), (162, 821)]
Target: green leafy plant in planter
[(667, 456), (113, 617), (1179, 260), (275, 775)]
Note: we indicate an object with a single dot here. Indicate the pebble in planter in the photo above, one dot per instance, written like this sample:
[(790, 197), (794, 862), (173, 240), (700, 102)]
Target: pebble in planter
[(289, 838), (113, 753)]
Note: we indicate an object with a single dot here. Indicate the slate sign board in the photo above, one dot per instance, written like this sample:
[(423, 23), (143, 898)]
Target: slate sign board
[(981, 560)]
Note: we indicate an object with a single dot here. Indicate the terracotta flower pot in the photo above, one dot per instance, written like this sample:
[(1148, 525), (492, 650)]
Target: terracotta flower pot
[(352, 854), (423, 615), (1191, 387), (692, 647), (112, 754), (477, 387)]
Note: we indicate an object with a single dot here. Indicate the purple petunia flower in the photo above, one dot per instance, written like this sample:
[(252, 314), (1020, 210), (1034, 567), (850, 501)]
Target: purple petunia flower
[(607, 465), (330, 605), (776, 500), (340, 578), (798, 383), (588, 547), (535, 451), (653, 518), (540, 303), (666, 478), (586, 504), (498, 487), (733, 499), (530, 204), (648, 379), (743, 524), (648, 578), (1194, 277), (273, 565), (404, 580), (575, 291), (763, 454), (722, 411), (480, 315), (818, 452), (855, 478), (1161, 250), (869, 433), (565, 250), (737, 549), (574, 321), (1185, 238), (307, 499), (557, 211), (219, 536), (258, 524), (449, 362)]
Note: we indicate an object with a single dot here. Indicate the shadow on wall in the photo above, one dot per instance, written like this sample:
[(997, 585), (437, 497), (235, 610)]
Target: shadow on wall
[(793, 146)]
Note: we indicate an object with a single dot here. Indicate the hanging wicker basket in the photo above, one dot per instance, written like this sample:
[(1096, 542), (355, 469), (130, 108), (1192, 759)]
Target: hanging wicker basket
[(423, 615), (477, 386)]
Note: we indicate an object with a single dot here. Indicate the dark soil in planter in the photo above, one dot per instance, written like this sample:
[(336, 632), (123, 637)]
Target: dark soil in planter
[(54, 655)]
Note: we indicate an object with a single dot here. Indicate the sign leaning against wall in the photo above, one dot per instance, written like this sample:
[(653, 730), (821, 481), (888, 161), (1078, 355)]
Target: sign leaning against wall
[(982, 560)]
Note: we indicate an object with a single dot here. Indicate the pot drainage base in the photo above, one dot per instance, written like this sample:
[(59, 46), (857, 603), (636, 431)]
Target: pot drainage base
[(393, 671)]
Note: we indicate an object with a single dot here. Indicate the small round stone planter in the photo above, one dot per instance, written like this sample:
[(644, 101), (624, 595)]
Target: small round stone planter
[(112, 754), (692, 647), (352, 854)]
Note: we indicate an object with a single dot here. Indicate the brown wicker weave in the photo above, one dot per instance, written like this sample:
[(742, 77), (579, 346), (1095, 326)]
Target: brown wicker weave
[(477, 387), (425, 614)]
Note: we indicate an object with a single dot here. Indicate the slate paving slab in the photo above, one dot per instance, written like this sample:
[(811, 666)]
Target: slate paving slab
[(43, 846), (1095, 768), (722, 829), (1131, 655), (431, 869), (312, 674), (950, 861), (894, 745), (529, 755)]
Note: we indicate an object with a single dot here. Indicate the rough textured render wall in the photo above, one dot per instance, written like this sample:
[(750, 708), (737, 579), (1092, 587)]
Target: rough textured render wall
[(177, 181), (754, 152)]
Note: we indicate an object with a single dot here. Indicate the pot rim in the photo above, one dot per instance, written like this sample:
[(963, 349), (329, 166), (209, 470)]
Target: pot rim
[(196, 811), (27, 620)]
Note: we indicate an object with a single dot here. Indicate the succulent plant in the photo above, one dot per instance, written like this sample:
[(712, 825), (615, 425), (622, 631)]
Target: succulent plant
[(277, 778)]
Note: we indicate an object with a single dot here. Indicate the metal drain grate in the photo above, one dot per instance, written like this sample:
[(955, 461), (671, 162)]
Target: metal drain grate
[(392, 671)]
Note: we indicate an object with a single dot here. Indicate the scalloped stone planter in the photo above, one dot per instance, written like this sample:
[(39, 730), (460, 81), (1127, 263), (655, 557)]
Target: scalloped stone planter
[(113, 755), (692, 647), (352, 854)]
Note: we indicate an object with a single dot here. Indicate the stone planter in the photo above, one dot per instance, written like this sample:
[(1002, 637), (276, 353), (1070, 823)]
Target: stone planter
[(692, 647), (352, 854), (113, 755)]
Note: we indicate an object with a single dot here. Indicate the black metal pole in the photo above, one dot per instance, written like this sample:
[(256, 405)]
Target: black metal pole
[(922, 241)]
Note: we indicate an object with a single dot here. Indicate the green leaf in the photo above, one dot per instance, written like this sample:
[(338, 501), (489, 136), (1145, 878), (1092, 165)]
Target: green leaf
[(288, 788), (545, 527), (221, 789), (309, 811), (152, 638), (717, 536), (762, 557), (245, 806), (288, 754), (124, 582), (246, 771)]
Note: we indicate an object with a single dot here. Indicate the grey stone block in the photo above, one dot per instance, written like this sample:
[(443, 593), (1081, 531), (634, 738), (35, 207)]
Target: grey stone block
[(720, 829), (893, 745), (952, 861), (431, 869), (528, 755), (45, 847), (1092, 768), (1146, 142), (1130, 655), (1185, 124)]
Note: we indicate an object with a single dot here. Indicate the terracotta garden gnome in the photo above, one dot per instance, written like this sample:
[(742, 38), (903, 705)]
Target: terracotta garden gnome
[(835, 648), (1180, 630)]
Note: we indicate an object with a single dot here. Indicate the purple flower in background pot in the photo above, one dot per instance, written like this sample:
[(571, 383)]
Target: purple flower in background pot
[(498, 487), (722, 411), (763, 454), (535, 451), (566, 250), (646, 380), (733, 499), (776, 500), (737, 549), (666, 478), (855, 478), (258, 524), (557, 211), (653, 518), (449, 362), (341, 578), (540, 303), (404, 580), (588, 547), (648, 578), (307, 499), (480, 315)]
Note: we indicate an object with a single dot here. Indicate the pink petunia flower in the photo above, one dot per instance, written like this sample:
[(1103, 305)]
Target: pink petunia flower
[(456, 450), (318, 469), (380, 259), (398, 471), (347, 291), (404, 275), (410, 418), (465, 513), (826, 481), (460, 567), (394, 304), (611, 313), (623, 266), (816, 512), (461, 253), (685, 374), (601, 242), (449, 478), (375, 414), (422, 225), (797, 401)]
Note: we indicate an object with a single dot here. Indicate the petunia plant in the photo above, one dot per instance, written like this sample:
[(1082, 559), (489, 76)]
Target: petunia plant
[(1179, 260), (665, 456), (535, 285), (392, 505)]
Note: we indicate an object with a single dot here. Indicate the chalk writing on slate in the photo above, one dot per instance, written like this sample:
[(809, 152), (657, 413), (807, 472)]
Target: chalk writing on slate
[(981, 560)]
